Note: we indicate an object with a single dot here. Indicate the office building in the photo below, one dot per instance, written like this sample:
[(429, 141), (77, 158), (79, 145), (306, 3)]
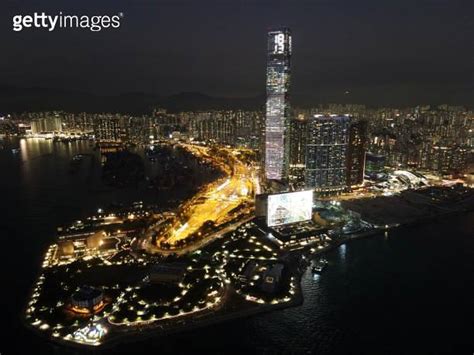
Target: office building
[(277, 107), (326, 153), (297, 151), (374, 164), (51, 124), (356, 153)]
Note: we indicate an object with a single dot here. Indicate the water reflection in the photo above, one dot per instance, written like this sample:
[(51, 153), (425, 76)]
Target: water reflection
[(24, 149), (347, 309), (43, 167), (342, 252)]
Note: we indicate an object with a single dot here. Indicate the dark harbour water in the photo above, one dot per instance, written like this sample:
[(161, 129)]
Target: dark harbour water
[(409, 292)]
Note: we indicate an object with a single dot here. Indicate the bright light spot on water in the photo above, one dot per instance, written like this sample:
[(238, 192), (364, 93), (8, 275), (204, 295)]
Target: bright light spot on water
[(342, 251), (23, 149)]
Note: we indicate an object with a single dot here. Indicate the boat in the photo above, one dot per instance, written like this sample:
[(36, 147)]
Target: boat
[(319, 266), (78, 157)]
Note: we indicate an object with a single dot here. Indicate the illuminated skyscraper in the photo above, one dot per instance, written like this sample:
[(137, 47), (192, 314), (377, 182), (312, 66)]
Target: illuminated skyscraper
[(326, 153), (46, 125), (109, 129), (277, 112), (110, 133), (297, 142), (356, 153), (297, 151)]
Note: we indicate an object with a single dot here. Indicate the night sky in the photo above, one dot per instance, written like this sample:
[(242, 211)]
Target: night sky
[(386, 52)]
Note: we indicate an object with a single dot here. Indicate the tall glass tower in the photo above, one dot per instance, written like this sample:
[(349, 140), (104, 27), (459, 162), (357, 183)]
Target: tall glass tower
[(277, 121), (326, 153)]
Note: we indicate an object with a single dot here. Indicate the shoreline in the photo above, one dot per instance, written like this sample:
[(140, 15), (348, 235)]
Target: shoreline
[(141, 335), (138, 335)]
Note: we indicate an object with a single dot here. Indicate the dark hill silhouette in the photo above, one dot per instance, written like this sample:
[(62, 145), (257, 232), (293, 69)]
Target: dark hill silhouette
[(14, 99)]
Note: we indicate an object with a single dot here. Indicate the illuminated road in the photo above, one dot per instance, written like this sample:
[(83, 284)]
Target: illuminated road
[(216, 202)]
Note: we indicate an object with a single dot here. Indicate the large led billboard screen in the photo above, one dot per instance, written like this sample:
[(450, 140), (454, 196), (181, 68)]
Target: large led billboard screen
[(289, 207)]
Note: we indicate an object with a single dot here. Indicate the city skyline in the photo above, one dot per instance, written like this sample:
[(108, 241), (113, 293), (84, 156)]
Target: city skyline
[(315, 168)]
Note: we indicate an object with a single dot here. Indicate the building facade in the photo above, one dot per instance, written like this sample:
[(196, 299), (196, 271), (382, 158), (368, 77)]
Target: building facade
[(374, 164), (297, 151), (277, 107), (297, 142), (111, 133), (326, 153), (356, 153), (51, 124)]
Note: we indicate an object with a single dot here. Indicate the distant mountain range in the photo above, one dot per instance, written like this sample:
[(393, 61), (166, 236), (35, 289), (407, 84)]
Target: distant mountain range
[(15, 99)]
